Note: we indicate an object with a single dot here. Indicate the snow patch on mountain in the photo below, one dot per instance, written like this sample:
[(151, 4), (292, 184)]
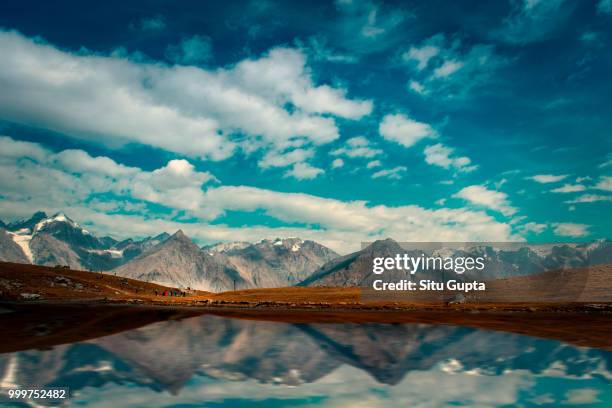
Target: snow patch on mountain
[(23, 238), (114, 253), (227, 246)]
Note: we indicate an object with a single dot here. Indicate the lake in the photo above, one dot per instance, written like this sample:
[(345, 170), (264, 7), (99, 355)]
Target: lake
[(211, 361)]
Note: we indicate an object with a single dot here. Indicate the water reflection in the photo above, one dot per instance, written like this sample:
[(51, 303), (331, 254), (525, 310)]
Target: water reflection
[(215, 361)]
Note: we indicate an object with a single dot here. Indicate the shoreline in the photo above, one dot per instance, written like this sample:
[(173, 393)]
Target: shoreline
[(85, 320)]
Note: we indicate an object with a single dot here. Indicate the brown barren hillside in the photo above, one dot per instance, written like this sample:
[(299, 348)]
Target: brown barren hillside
[(78, 302), (584, 288), (20, 281)]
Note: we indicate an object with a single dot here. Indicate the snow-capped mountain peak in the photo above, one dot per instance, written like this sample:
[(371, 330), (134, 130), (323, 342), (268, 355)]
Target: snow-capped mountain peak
[(59, 217), (226, 246)]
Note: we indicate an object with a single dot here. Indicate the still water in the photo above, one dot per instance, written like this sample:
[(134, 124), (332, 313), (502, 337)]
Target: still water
[(211, 361)]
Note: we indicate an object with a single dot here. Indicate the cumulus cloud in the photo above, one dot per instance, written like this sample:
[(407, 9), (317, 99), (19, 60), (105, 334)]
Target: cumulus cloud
[(571, 230), (533, 227), (604, 183), (422, 55), (285, 158), (48, 182), (16, 149), (337, 163), (581, 396), (440, 155), (303, 171), (401, 129), (80, 162), (589, 198), (374, 163), (417, 87), (481, 196), (569, 188), (72, 177), (182, 109), (358, 147), (547, 178), (394, 173), (448, 68), (176, 185)]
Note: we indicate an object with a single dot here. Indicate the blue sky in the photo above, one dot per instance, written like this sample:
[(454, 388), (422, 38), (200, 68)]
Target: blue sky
[(339, 121)]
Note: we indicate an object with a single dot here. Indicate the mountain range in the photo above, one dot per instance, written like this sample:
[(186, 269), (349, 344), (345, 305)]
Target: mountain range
[(507, 260), (175, 260)]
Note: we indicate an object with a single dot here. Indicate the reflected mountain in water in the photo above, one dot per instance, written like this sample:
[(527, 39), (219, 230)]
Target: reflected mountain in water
[(173, 355)]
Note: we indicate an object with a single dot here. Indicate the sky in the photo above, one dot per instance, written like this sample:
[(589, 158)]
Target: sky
[(339, 121)]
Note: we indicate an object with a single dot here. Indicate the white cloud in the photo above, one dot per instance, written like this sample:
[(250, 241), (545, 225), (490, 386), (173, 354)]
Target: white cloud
[(374, 163), (394, 173), (296, 158), (581, 396), (547, 178), (303, 171), (177, 185), (532, 227), (48, 183), (15, 149), (404, 130), (481, 196), (187, 110), (358, 147), (605, 183), (78, 161), (421, 55), (569, 188), (337, 163), (440, 155), (571, 230), (285, 158), (417, 87), (71, 177), (447, 69), (589, 198)]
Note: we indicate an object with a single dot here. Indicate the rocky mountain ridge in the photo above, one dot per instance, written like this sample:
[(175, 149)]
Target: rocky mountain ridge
[(170, 260), (177, 261)]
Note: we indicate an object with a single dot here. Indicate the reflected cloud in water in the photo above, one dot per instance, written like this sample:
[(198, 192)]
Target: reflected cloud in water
[(215, 361)]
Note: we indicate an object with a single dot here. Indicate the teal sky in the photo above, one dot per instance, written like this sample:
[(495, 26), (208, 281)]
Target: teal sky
[(341, 121)]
